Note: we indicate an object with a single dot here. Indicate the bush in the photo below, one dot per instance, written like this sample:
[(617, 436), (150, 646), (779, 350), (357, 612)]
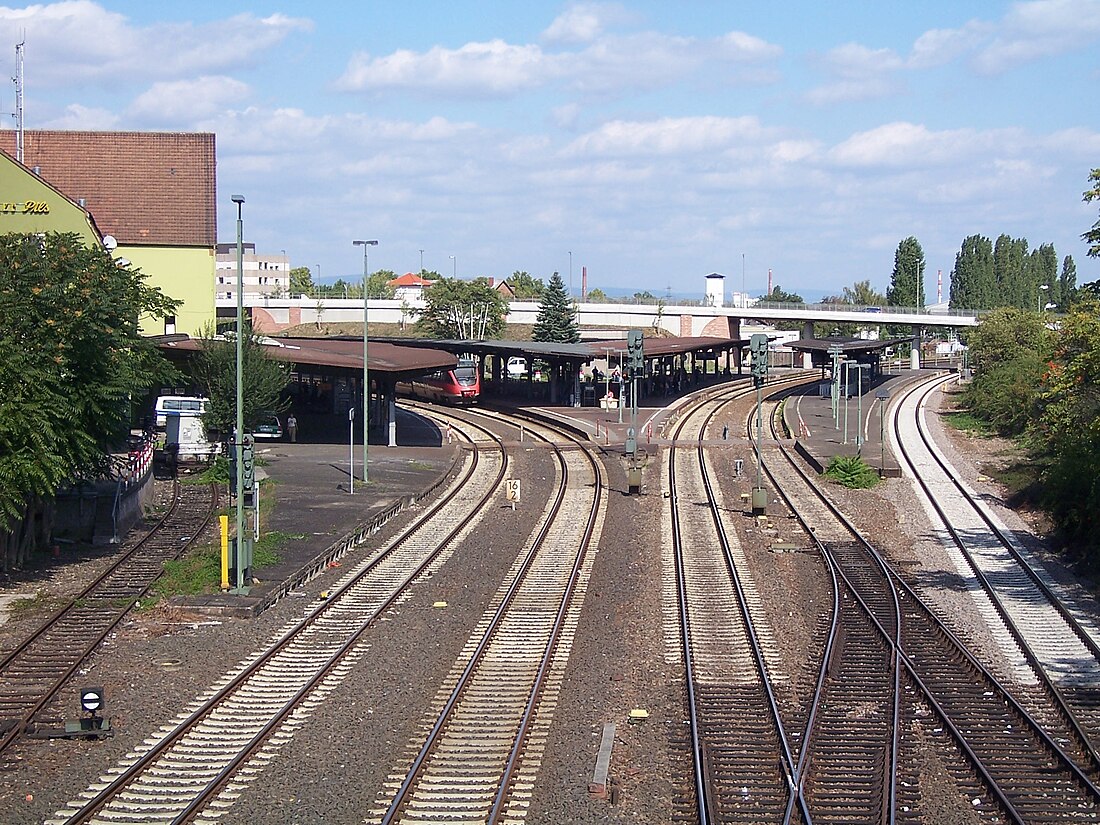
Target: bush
[(852, 471)]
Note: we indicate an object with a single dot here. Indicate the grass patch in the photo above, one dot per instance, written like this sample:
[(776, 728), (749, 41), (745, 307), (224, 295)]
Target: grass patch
[(38, 603), (852, 471), (199, 572), (965, 421)]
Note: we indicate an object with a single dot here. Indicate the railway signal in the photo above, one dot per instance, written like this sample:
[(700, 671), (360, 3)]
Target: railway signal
[(635, 354)]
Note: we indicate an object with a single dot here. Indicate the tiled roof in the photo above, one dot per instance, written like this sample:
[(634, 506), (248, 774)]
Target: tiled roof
[(145, 188), (408, 279)]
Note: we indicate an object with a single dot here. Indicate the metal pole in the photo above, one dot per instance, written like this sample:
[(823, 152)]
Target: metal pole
[(859, 408), (239, 439), (366, 368), (351, 450), (847, 371), (759, 433)]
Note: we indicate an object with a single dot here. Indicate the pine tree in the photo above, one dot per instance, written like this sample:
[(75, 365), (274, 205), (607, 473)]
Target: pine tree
[(556, 321)]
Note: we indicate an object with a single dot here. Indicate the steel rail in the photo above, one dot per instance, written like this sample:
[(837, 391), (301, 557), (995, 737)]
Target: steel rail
[(904, 589), (106, 794), (114, 613), (465, 679), (704, 797), (1054, 692)]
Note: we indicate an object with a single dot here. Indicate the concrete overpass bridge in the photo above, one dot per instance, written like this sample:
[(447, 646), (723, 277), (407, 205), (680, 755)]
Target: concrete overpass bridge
[(688, 320)]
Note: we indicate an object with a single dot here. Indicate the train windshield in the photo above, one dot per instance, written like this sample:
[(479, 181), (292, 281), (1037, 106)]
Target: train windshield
[(466, 372)]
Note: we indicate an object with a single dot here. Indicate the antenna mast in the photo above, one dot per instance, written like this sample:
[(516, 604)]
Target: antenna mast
[(19, 101)]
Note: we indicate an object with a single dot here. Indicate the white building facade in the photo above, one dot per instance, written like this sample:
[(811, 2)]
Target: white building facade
[(263, 275)]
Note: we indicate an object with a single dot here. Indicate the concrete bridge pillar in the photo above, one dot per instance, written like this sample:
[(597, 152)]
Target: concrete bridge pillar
[(807, 333), (914, 351)]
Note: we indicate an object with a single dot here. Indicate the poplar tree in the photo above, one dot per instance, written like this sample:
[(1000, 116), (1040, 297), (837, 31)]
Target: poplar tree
[(556, 320), (972, 285), (907, 280)]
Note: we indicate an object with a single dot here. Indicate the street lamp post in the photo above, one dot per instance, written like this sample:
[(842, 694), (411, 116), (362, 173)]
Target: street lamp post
[(366, 369), (421, 263), (238, 446), (1039, 302), (570, 274), (454, 266)]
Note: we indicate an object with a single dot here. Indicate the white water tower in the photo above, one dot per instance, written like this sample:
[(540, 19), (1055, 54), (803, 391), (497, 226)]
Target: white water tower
[(716, 289)]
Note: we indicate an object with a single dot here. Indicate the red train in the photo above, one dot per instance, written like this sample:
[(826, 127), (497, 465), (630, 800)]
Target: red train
[(462, 385)]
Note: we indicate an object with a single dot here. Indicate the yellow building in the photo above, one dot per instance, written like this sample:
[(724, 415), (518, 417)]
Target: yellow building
[(30, 205), (154, 194)]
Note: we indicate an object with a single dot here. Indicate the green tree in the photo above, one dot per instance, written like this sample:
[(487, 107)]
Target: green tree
[(1009, 274), (644, 297), (1042, 270), (1067, 283), (467, 310), (214, 370), (907, 280), (73, 359), (556, 320), (861, 293), (779, 295), (1008, 351), (526, 287), (301, 281), (1092, 237), (972, 282), (597, 296), (1069, 426), (378, 284)]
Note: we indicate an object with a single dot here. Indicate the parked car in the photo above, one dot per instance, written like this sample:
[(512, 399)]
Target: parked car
[(517, 367), (269, 427)]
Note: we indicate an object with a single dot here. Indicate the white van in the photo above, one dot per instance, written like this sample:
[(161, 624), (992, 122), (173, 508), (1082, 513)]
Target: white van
[(188, 404), (517, 367)]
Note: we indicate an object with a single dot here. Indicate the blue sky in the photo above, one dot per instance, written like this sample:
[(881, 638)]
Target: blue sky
[(657, 142)]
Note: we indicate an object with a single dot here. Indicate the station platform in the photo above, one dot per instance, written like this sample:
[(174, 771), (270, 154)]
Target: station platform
[(320, 514), (857, 425)]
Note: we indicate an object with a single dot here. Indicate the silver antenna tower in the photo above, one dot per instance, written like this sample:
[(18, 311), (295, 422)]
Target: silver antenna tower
[(19, 102)]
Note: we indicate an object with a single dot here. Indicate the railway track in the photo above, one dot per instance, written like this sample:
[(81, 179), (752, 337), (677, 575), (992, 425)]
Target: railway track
[(745, 757), (33, 673), (481, 742), (1056, 643), (1030, 770), (196, 766)]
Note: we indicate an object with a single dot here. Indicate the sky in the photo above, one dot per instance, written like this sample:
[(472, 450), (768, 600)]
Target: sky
[(651, 143)]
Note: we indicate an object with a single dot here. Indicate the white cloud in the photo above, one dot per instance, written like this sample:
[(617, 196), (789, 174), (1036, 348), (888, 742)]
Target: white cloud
[(80, 41), (182, 102), (937, 47), (909, 145), (583, 22), (84, 118), (1040, 29), (493, 68), (666, 136), (611, 63), (860, 73)]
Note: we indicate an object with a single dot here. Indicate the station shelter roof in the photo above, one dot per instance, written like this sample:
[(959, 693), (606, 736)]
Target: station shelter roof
[(653, 347), (848, 346), (339, 353)]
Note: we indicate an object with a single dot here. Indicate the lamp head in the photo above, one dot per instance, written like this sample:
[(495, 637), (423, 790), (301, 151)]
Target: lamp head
[(365, 243), (237, 199)]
